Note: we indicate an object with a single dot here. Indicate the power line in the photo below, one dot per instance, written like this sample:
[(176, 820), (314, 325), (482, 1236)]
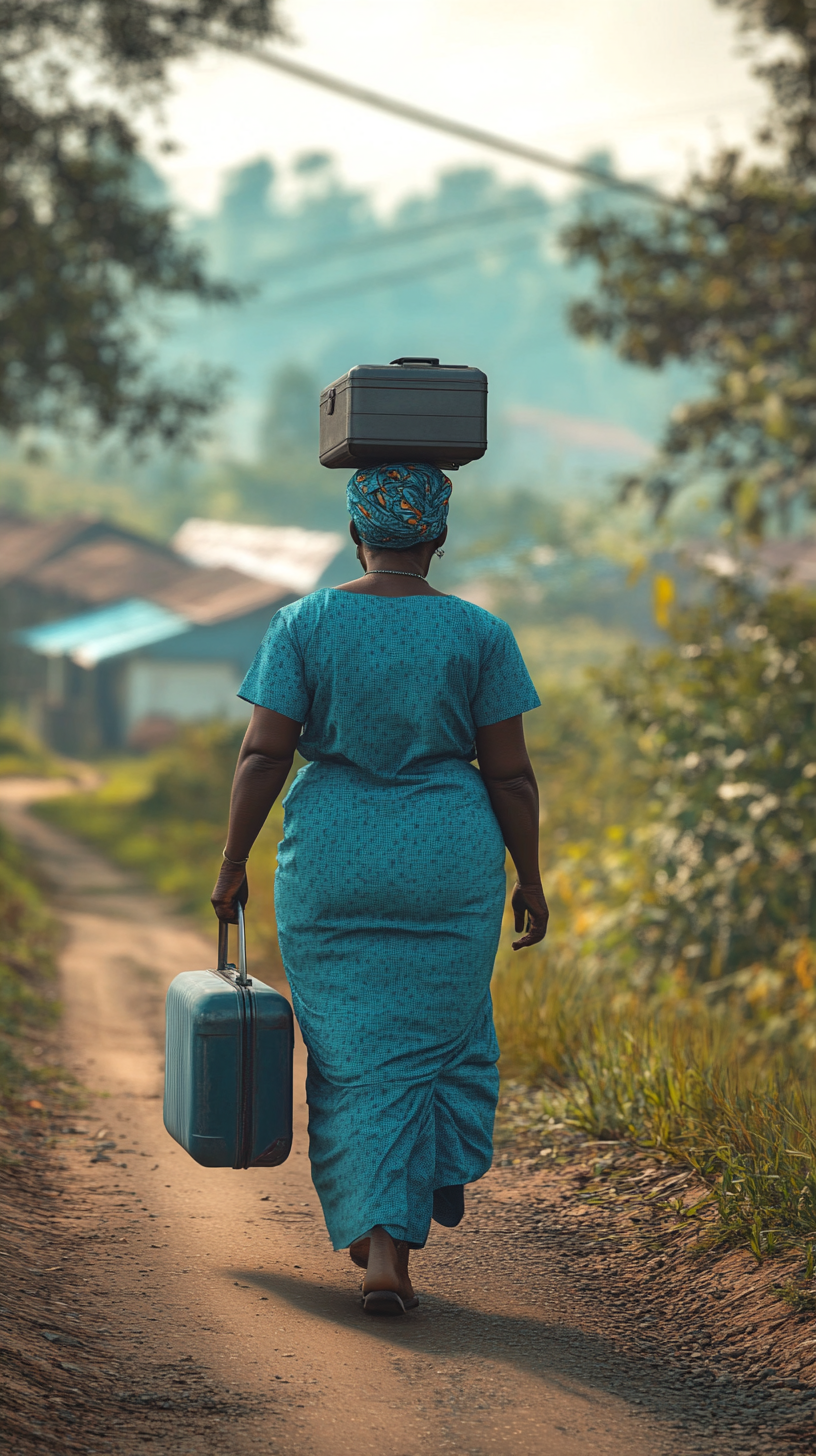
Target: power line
[(435, 122), (394, 237), (337, 292)]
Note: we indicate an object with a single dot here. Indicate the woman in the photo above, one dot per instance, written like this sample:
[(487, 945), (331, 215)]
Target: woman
[(390, 886)]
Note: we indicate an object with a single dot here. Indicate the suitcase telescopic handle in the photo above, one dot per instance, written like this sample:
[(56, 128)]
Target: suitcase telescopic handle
[(412, 359), (223, 948)]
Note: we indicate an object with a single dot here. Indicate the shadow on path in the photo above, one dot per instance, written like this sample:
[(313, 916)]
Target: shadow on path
[(558, 1354)]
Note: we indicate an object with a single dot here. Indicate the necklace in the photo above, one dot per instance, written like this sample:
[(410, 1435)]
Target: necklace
[(383, 571)]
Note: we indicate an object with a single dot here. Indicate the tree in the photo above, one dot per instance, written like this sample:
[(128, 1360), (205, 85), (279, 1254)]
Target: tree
[(83, 255), (727, 280), (289, 425), (723, 726)]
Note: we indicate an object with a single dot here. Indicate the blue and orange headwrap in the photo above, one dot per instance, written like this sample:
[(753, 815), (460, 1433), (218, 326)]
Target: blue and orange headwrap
[(398, 505)]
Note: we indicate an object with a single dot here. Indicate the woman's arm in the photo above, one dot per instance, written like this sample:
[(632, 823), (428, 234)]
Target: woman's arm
[(263, 764), (511, 784)]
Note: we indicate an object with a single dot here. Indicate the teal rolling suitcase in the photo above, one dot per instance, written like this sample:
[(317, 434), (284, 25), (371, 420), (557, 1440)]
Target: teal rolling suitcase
[(228, 1068)]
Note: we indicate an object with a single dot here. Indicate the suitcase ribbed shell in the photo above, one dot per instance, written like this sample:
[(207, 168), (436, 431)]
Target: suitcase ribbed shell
[(378, 414)]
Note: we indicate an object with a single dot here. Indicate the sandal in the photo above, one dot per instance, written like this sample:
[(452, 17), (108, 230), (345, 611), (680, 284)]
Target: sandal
[(382, 1301), (387, 1301)]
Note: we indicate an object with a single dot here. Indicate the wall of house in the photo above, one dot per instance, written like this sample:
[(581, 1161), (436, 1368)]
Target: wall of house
[(181, 692), (22, 672), (133, 700), (77, 712), (190, 678)]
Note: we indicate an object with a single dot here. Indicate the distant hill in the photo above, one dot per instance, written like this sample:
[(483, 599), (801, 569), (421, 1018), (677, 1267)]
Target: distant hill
[(470, 272)]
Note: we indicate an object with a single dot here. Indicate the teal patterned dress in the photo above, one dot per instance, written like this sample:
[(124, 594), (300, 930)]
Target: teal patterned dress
[(390, 891)]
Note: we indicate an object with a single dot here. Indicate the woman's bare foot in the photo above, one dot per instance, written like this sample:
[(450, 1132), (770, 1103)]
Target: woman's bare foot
[(386, 1271), (358, 1252)]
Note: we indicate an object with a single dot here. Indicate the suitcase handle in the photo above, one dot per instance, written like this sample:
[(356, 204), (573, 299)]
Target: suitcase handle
[(411, 359), (223, 948)]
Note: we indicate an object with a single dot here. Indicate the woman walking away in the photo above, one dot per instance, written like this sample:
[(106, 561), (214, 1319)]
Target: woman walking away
[(390, 886)]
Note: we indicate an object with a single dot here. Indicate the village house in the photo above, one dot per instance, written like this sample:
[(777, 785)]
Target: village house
[(110, 640)]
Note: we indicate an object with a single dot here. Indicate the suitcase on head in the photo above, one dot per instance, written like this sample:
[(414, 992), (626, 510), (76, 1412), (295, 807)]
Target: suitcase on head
[(228, 1068), (410, 409)]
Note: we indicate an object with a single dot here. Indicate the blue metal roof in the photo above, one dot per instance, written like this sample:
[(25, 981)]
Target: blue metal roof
[(108, 632)]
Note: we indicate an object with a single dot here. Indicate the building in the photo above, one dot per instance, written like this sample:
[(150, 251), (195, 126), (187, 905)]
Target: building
[(110, 640)]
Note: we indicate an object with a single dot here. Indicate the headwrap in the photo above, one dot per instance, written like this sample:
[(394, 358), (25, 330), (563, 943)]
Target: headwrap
[(398, 505)]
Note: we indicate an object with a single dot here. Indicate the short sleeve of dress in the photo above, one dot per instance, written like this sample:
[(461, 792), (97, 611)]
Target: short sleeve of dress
[(276, 679), (504, 688)]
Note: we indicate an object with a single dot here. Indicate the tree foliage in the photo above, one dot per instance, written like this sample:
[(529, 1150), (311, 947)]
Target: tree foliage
[(82, 255), (724, 724), (727, 280)]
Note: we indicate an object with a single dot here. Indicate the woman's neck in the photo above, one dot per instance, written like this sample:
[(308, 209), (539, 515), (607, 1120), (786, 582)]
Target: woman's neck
[(393, 574)]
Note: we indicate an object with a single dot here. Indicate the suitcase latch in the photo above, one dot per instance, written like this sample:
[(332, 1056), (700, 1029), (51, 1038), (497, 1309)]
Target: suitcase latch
[(332, 395)]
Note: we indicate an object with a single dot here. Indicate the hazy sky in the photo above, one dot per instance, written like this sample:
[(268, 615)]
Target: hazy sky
[(658, 81)]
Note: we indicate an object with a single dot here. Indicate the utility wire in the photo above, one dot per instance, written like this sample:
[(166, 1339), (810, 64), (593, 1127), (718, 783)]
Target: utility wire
[(394, 237), (447, 124), (338, 292)]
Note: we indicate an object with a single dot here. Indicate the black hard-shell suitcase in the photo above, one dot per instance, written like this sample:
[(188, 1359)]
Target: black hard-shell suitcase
[(228, 1071), (410, 409)]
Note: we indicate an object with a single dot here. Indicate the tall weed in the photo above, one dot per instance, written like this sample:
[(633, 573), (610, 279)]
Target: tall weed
[(684, 1086), (27, 945)]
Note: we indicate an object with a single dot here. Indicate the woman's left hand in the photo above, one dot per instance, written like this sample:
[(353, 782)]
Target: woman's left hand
[(529, 903), (231, 889)]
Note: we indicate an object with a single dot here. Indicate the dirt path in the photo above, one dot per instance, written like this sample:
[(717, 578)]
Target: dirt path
[(205, 1310)]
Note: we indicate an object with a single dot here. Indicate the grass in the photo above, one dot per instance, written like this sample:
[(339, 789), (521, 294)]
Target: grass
[(165, 816), (28, 1008), (22, 753), (684, 1087), (558, 655)]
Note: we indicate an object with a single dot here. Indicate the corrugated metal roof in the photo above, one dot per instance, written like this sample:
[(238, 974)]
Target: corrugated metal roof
[(95, 636), (287, 555)]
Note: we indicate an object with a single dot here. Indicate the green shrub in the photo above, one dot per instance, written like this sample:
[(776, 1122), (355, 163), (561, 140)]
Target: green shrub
[(674, 1001), (724, 724), (21, 752), (27, 945)]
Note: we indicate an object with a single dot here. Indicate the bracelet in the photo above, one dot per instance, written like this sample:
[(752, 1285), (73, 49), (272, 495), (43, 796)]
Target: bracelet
[(237, 862)]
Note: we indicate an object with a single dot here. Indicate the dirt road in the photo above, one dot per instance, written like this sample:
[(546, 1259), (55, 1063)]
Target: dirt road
[(208, 1306)]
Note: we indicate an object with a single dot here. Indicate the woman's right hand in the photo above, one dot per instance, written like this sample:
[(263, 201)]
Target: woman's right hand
[(529, 904), (231, 889)]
